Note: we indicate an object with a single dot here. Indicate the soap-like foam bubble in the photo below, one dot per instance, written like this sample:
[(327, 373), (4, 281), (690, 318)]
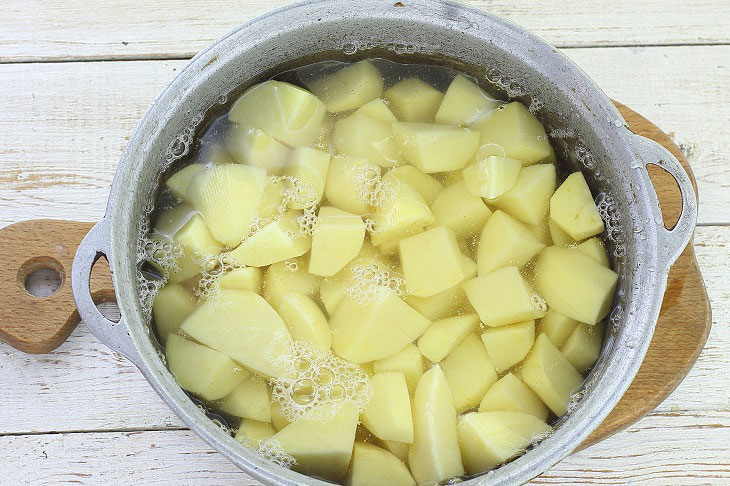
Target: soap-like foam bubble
[(372, 189), (272, 450), (511, 86), (212, 269), (538, 303), (369, 278)]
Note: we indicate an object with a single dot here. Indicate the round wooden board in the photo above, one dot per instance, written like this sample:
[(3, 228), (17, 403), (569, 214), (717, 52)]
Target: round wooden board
[(39, 325)]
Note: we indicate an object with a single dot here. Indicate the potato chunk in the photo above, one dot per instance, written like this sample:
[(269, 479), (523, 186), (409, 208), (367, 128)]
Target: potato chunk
[(373, 466), (443, 336), (404, 214), (432, 261), (594, 248), (408, 361), (290, 114), (290, 276), (398, 449), (574, 284), (279, 240), (359, 135), (346, 183), (583, 347), (305, 320), (413, 100), (250, 432), (242, 325), (459, 210), (309, 169), (469, 372), (197, 244), (529, 198), (321, 448), (444, 304), (488, 439), (228, 197), (464, 102), (179, 181), (363, 332), (552, 378), (253, 146), (558, 236), (435, 148), (172, 304), (492, 176), (249, 400), (348, 88), (556, 326), (388, 413), (502, 297), (337, 239), (424, 184), (248, 278), (508, 345), (510, 394), (202, 371), (514, 132), (434, 455), (504, 242), (272, 202), (573, 209), (379, 110)]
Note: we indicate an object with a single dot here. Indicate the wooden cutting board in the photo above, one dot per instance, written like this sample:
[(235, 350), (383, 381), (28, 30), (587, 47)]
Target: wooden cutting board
[(39, 325)]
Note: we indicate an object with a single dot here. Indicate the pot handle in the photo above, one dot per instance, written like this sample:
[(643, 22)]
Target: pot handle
[(671, 241), (114, 335)]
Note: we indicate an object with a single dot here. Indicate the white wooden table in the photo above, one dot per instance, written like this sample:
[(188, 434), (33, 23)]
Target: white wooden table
[(75, 76)]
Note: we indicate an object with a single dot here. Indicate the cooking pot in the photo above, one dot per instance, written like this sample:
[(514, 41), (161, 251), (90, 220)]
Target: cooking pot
[(585, 127)]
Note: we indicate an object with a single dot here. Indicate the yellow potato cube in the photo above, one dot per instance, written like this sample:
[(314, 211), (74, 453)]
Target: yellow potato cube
[(398, 449), (250, 432), (290, 276), (272, 201), (202, 371), (309, 168), (469, 372), (388, 413), (508, 345), (279, 240), (551, 376), (243, 325), (359, 135), (349, 87), (558, 236), (406, 213), (305, 320), (464, 102), (435, 148), (413, 100), (444, 304), (424, 184), (594, 248), (331, 291), (321, 448), (408, 361), (573, 210), (337, 239), (277, 418), (253, 146), (574, 284), (443, 336), (432, 261), (172, 304), (197, 244), (583, 347), (379, 110), (541, 231), (374, 330), (502, 297), (346, 181), (529, 198), (179, 181), (556, 326), (228, 197), (248, 400), (512, 131), (504, 242), (290, 114), (247, 278), (488, 439), (373, 466), (459, 210), (510, 394), (492, 176), (434, 455)]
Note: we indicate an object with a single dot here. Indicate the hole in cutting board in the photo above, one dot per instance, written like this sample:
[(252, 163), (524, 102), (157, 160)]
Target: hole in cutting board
[(41, 277)]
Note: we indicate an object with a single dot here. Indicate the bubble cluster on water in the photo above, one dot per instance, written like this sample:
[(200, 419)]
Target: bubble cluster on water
[(511, 86), (370, 279), (213, 267), (372, 189), (148, 288), (538, 303), (615, 318), (161, 253), (561, 133), (272, 450), (611, 219), (541, 437), (180, 146), (536, 105), (352, 47), (292, 266)]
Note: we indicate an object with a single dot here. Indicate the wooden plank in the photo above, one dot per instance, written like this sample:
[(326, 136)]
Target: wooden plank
[(67, 123), (72, 30)]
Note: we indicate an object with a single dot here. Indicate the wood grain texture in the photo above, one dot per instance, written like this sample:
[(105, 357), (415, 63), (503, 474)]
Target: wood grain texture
[(56, 30)]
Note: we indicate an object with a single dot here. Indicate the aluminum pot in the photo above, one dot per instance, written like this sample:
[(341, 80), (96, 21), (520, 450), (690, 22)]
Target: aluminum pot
[(586, 129)]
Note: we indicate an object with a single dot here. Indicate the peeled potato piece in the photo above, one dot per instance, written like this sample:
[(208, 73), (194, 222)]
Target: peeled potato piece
[(250, 432), (443, 336), (337, 239), (492, 176), (556, 326), (408, 361), (373, 466), (594, 248), (541, 231), (178, 182), (172, 304), (200, 370), (249, 400), (404, 214), (551, 376), (346, 181), (512, 131), (290, 276), (558, 236), (272, 201), (464, 102), (398, 449), (197, 244), (444, 304), (529, 198), (253, 146), (583, 347), (574, 284), (309, 169), (388, 413), (290, 114), (379, 110), (359, 135), (248, 278), (508, 345), (435, 148), (348, 88), (432, 261), (573, 210), (305, 320), (502, 297), (413, 100), (434, 455), (504, 242), (424, 184), (510, 394), (469, 372), (459, 210), (279, 240), (277, 418)]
